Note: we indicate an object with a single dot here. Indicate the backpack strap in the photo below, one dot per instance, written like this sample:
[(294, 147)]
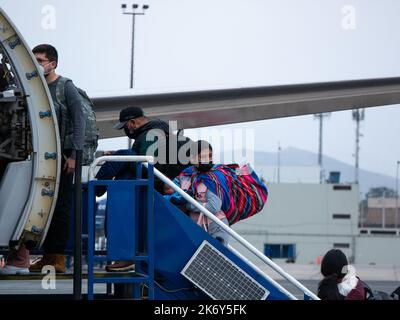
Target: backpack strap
[(62, 107)]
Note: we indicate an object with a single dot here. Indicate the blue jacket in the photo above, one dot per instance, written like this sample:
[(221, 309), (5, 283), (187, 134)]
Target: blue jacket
[(116, 170)]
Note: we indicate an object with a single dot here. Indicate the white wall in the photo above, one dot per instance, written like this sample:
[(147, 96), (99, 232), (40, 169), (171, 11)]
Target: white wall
[(378, 249), (309, 249)]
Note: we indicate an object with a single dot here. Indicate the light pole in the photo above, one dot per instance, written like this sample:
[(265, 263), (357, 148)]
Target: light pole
[(320, 117), (279, 162), (397, 196), (133, 13)]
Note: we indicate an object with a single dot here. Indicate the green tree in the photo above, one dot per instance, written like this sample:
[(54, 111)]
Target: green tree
[(379, 191)]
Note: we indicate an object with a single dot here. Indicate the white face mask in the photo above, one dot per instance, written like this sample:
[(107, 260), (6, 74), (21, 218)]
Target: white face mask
[(41, 69)]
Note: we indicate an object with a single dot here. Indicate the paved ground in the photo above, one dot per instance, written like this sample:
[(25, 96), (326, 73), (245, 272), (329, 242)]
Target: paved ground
[(33, 287), (383, 278), (65, 287), (385, 286)]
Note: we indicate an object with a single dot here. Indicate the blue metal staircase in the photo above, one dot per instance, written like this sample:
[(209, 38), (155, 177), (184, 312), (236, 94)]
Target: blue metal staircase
[(144, 227)]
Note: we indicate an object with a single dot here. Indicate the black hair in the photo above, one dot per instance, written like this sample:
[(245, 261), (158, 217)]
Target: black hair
[(50, 52), (333, 263), (201, 145)]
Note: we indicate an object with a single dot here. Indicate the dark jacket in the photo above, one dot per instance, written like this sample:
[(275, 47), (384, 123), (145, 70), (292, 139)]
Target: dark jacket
[(116, 170), (331, 288), (153, 138), (142, 141)]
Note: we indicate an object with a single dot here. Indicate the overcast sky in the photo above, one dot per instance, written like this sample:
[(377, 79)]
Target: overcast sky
[(194, 45)]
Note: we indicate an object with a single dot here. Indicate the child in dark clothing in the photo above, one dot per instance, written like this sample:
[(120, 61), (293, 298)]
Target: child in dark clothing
[(340, 281)]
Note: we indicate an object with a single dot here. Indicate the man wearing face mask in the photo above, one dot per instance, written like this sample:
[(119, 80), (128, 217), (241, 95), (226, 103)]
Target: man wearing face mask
[(68, 105), (136, 126), (140, 128)]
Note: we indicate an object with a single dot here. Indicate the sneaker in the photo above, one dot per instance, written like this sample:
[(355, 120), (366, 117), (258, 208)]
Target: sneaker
[(120, 266), (55, 260), (9, 270), (37, 265)]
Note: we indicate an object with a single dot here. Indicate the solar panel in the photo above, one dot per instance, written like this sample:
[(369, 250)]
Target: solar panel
[(216, 275)]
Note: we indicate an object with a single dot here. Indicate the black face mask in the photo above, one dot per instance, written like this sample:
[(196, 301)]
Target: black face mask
[(129, 134), (204, 167)]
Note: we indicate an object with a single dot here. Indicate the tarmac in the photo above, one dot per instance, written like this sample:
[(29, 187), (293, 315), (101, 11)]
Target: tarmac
[(383, 278)]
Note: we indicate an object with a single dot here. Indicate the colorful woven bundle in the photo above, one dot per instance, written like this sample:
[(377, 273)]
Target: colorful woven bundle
[(240, 189)]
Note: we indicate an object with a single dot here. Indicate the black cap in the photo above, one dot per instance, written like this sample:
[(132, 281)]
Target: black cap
[(333, 263), (128, 114)]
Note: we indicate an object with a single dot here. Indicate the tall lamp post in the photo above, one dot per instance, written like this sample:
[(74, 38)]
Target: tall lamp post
[(279, 162), (133, 13), (320, 117)]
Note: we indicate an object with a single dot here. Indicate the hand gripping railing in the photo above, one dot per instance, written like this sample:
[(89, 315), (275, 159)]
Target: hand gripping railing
[(95, 163), (242, 241)]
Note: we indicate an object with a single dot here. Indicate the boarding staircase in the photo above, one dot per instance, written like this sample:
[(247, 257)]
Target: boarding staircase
[(174, 257)]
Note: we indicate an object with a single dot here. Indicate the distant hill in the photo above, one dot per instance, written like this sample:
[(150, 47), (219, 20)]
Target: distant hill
[(293, 157)]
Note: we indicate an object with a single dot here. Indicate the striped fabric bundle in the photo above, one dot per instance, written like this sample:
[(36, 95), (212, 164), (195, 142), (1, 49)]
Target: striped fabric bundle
[(240, 189)]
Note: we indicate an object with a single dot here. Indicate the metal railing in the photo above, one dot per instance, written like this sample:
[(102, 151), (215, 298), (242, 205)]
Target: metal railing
[(262, 274), (97, 161), (239, 238), (208, 214), (149, 258)]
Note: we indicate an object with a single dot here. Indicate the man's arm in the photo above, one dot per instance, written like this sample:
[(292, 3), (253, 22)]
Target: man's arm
[(75, 108), (176, 198), (111, 170)]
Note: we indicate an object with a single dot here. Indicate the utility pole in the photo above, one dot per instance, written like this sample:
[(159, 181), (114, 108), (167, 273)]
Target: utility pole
[(279, 162), (358, 116), (383, 209), (133, 13), (320, 117)]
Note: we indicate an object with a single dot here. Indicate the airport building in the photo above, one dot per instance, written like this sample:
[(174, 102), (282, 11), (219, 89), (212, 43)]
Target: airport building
[(302, 221)]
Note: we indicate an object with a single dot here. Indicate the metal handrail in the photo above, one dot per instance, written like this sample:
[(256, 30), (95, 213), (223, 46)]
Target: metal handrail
[(150, 225), (235, 235), (262, 273), (97, 161)]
